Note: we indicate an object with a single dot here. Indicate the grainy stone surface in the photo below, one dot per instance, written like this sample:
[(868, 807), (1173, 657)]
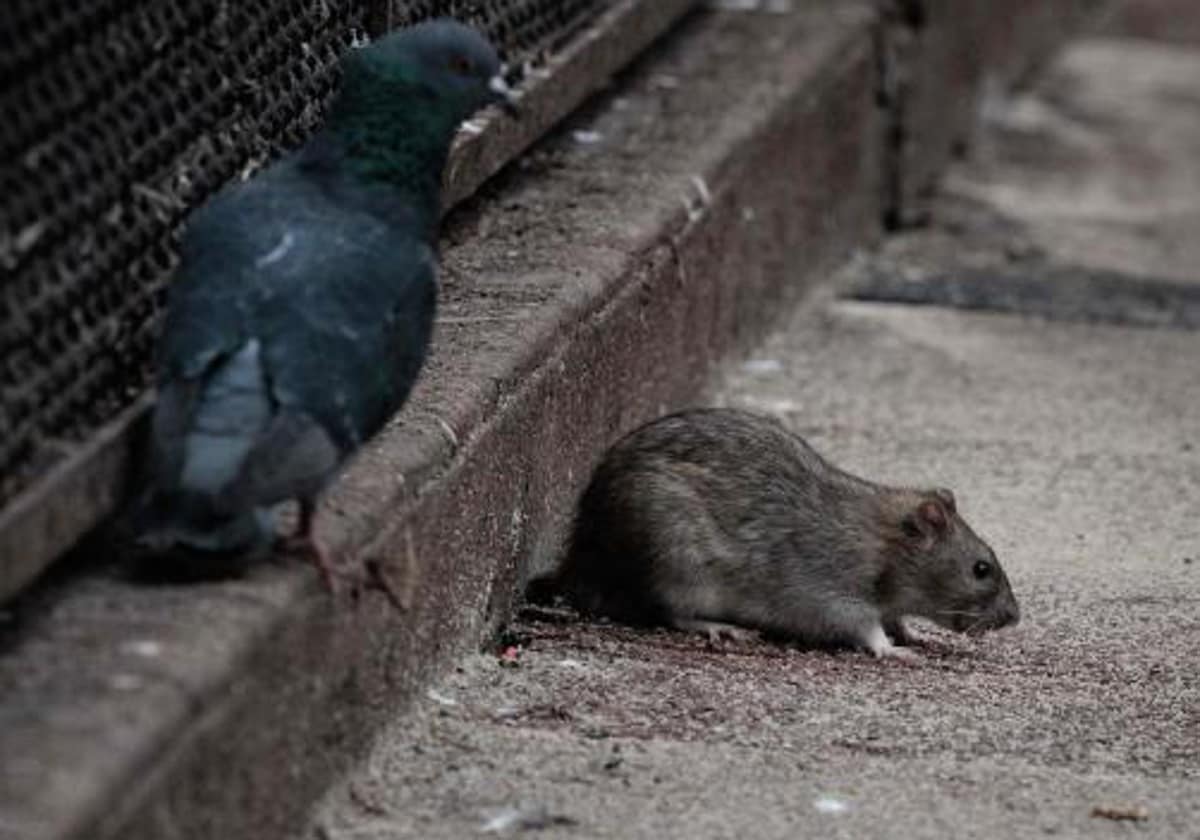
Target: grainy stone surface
[(1074, 449), (1072, 440)]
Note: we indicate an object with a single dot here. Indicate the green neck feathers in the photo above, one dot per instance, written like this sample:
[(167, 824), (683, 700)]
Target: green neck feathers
[(394, 130)]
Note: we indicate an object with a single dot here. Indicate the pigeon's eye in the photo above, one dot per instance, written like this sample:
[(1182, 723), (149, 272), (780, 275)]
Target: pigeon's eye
[(981, 569), (461, 65)]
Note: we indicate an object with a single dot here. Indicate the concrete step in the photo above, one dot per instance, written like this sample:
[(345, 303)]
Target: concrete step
[(1072, 447)]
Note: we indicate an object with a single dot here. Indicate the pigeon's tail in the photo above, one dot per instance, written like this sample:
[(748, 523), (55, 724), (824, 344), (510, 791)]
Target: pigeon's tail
[(166, 521), (181, 538), (203, 436)]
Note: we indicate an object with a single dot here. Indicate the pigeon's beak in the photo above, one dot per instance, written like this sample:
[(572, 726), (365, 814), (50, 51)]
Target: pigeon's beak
[(503, 95)]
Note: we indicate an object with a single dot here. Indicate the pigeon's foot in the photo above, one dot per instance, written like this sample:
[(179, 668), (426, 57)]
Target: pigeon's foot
[(374, 579), (366, 576), (306, 547), (356, 579)]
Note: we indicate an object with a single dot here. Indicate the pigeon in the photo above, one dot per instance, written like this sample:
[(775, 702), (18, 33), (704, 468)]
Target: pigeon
[(301, 311)]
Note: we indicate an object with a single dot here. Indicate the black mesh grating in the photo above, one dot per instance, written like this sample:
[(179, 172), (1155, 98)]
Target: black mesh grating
[(525, 30), (118, 116)]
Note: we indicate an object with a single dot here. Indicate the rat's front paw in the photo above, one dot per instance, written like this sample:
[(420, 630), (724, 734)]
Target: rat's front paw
[(882, 647), (899, 654), (899, 634)]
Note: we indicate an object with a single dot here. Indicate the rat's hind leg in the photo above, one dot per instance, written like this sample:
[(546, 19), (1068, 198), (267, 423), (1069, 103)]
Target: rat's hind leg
[(715, 631), (691, 560)]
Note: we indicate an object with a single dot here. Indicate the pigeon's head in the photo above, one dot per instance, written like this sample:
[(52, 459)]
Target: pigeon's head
[(450, 66)]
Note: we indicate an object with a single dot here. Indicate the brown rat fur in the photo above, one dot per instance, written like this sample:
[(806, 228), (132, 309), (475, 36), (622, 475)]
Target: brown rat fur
[(717, 520)]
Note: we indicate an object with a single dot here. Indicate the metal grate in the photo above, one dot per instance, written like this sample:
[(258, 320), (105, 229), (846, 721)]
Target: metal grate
[(526, 31), (118, 116)]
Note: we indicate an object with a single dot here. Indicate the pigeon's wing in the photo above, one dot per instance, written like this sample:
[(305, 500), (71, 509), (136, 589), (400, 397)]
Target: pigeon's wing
[(337, 301), (212, 291), (292, 459), (346, 340), (206, 323)]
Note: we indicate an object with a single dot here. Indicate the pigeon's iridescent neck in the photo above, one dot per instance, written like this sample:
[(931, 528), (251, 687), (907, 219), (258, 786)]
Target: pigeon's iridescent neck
[(399, 136)]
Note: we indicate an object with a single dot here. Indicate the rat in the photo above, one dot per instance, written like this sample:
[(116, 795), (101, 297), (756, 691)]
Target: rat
[(723, 522)]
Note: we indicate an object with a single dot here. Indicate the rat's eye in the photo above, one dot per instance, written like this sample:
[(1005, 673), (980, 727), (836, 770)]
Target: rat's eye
[(981, 569), (461, 65)]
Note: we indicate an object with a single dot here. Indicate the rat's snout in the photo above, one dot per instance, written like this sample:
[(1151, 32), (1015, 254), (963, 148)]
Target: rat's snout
[(1008, 613)]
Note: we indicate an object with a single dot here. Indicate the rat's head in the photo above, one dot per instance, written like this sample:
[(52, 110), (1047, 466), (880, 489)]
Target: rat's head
[(945, 572), (451, 69)]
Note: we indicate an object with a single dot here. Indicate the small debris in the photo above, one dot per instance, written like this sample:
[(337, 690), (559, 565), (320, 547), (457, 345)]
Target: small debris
[(441, 699), (762, 366), (773, 406), (143, 647), (587, 138), (448, 431), (544, 712), (1187, 561), (573, 664), (472, 127), (523, 818), (509, 657), (1134, 813), (695, 206), (831, 805)]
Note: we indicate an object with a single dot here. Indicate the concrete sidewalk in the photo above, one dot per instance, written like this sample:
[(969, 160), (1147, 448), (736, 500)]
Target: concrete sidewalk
[(1072, 437)]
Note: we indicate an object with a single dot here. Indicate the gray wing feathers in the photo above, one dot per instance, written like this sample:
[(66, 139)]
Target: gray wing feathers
[(292, 459), (229, 417), (224, 452)]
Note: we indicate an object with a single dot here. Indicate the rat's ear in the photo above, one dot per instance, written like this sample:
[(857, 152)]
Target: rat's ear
[(946, 497), (928, 521)]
